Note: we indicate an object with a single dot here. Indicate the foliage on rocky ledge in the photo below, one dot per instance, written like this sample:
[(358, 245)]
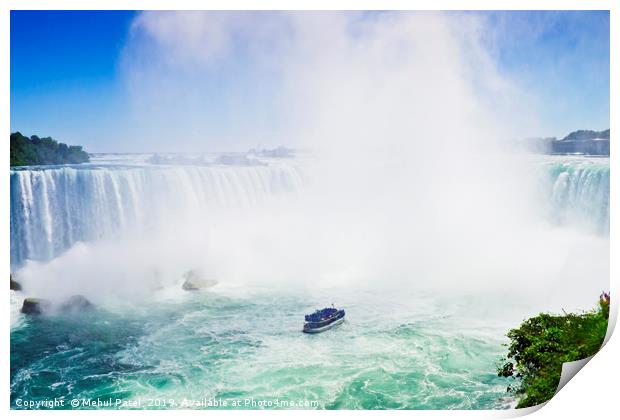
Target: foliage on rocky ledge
[(540, 346)]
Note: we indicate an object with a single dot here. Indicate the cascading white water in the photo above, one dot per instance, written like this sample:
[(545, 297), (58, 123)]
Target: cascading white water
[(580, 192), (53, 208)]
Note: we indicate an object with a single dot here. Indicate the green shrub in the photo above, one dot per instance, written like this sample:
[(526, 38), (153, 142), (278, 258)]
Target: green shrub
[(540, 346)]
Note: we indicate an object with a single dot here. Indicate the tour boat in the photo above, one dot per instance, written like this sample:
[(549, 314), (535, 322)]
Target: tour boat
[(323, 319)]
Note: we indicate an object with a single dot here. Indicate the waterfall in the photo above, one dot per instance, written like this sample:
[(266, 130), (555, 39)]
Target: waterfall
[(580, 193), (53, 208)]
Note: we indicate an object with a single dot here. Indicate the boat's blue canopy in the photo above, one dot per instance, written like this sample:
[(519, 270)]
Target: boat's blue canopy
[(320, 314)]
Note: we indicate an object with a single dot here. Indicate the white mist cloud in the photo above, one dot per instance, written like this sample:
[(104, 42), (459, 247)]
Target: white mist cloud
[(227, 80), (414, 184)]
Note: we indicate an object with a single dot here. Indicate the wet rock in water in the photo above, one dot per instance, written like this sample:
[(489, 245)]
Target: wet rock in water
[(33, 306), (195, 281), (76, 303), (15, 285)]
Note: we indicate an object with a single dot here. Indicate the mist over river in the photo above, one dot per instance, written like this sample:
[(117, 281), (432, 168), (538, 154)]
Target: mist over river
[(431, 273)]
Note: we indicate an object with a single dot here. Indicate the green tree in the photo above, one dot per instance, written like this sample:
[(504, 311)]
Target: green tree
[(43, 151)]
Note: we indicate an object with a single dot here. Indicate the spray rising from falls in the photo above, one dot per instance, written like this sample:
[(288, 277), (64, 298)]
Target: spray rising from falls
[(219, 216)]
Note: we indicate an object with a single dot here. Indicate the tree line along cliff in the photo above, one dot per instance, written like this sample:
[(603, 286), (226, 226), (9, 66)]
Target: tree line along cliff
[(43, 151)]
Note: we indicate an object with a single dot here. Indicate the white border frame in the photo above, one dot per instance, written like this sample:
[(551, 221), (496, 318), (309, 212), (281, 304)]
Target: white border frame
[(593, 394)]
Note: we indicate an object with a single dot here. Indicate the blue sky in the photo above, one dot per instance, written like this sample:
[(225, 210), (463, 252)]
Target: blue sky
[(564, 58), (66, 78), (64, 72)]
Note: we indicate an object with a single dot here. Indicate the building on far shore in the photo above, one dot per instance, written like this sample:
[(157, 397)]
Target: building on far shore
[(586, 142), (597, 146)]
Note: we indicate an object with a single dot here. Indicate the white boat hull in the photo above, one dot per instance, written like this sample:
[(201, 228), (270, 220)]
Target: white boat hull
[(326, 327)]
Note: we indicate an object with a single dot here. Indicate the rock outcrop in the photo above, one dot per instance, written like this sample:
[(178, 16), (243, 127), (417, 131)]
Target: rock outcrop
[(15, 285), (33, 306)]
